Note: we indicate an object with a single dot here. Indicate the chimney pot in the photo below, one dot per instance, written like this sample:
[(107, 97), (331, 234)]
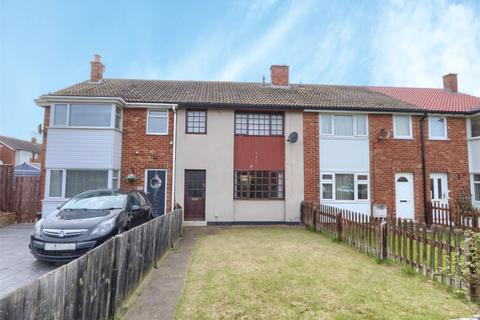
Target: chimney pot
[(450, 82), (96, 69), (33, 140), (279, 75)]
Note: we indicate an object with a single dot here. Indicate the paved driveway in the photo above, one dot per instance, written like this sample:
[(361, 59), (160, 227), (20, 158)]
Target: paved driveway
[(17, 266)]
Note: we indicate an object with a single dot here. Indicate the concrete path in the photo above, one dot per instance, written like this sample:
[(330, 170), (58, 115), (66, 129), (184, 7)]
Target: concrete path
[(17, 265), (159, 296)]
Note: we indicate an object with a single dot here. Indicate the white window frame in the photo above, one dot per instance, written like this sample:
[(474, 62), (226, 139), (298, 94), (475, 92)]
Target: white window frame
[(395, 135), (470, 128), (356, 182), (64, 179), (476, 201), (67, 124), (148, 116), (445, 128), (354, 124)]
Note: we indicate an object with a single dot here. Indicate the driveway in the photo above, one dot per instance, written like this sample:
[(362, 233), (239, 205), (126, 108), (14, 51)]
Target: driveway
[(17, 266)]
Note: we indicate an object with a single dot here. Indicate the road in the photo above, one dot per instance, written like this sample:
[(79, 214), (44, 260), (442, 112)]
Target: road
[(17, 266)]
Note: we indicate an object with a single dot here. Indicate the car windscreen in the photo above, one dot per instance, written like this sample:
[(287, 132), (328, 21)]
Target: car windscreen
[(99, 200)]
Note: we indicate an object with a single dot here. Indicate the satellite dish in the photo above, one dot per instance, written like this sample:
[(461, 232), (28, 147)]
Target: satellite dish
[(292, 137), (384, 134)]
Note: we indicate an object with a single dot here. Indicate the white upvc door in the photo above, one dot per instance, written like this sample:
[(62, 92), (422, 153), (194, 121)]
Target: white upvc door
[(439, 188), (405, 207)]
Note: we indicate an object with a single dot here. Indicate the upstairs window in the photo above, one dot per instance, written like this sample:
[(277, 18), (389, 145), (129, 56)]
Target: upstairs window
[(437, 128), (343, 125), (475, 127), (402, 127), (86, 115), (157, 122), (197, 121), (259, 124), (60, 115)]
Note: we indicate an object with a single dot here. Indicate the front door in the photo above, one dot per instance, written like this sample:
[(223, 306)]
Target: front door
[(439, 188), (156, 188), (404, 195), (194, 195)]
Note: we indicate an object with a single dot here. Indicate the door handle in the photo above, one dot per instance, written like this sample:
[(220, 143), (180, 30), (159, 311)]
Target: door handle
[(403, 201)]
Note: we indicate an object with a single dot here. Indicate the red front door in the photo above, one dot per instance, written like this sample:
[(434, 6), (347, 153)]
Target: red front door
[(194, 195)]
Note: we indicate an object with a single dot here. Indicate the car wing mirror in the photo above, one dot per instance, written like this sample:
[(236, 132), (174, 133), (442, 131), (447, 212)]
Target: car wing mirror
[(135, 208)]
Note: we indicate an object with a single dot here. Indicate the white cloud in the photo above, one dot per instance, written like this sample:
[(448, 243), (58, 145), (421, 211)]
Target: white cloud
[(417, 42)]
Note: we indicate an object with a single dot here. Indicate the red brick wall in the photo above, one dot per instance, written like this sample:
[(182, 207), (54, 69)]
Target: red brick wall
[(46, 124), (141, 151), (7, 155), (391, 156), (311, 157)]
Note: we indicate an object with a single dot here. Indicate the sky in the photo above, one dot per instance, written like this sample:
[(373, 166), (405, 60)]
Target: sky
[(48, 45)]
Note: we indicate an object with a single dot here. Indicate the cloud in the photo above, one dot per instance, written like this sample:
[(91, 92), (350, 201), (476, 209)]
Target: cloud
[(416, 42)]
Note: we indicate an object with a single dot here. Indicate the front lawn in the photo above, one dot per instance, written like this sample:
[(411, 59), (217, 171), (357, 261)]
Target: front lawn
[(291, 273)]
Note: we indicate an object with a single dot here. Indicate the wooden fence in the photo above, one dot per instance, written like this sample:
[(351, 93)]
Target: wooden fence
[(454, 216), (436, 251), (19, 194), (95, 285)]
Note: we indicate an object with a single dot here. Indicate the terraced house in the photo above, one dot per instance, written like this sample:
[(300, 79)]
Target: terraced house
[(251, 152)]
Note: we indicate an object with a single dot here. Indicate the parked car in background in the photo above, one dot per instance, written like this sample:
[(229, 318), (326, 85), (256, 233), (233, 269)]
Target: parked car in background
[(86, 221)]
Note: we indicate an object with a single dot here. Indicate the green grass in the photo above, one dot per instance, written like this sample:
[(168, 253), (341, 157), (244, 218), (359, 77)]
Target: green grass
[(290, 273)]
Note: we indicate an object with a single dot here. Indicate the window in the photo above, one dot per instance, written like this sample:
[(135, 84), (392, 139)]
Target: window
[(344, 187), (437, 128), (402, 127), (259, 185), (475, 127), (476, 187), (115, 179), (60, 115), (197, 122), (157, 122), (259, 124), (87, 115), (82, 180), (118, 118), (343, 125), (56, 181)]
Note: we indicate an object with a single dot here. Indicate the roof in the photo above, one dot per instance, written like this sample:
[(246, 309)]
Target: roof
[(238, 94), (18, 144), (430, 99), (27, 169)]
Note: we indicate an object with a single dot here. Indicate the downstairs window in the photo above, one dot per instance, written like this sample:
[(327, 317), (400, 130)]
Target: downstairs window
[(344, 187), (476, 187), (259, 185), (68, 183)]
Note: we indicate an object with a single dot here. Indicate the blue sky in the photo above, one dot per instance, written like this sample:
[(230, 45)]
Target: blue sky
[(47, 45)]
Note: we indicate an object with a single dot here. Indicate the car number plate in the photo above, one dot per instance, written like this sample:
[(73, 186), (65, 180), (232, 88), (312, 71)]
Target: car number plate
[(59, 246)]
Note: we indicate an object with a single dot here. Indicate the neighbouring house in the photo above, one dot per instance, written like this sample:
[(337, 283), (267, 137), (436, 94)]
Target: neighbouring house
[(251, 152), (15, 151)]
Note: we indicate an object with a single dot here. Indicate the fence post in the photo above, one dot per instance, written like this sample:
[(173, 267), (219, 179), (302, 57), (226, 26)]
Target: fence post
[(338, 219), (382, 240), (313, 212)]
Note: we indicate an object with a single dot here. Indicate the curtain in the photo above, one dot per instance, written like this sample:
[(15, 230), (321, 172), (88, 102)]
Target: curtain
[(437, 127), (326, 124), (402, 126), (343, 125), (361, 124), (56, 177), (60, 117), (90, 115), (83, 180), (345, 186)]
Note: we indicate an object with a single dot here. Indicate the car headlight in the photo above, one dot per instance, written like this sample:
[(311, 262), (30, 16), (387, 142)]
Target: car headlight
[(37, 229), (104, 227)]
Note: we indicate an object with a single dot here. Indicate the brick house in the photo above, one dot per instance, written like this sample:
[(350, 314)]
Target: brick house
[(16, 152), (251, 152)]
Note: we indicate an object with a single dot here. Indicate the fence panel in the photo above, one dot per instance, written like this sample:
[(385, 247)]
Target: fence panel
[(6, 187), (95, 285)]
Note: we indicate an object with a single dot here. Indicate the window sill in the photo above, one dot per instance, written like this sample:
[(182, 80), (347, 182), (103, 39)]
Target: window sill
[(156, 134), (346, 201), (260, 199), (403, 138), (474, 138), (331, 137), (438, 139)]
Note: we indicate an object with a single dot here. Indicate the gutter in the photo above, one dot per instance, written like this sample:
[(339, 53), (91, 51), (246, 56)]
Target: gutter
[(424, 170), (174, 156)]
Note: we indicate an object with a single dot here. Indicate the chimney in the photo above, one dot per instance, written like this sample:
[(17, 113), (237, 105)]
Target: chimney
[(34, 140), (97, 68), (450, 82), (279, 75)]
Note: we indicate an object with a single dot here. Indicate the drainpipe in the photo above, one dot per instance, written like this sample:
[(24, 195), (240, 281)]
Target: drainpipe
[(424, 170), (174, 108)]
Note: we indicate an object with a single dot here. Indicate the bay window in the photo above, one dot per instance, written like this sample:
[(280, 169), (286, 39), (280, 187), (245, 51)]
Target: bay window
[(86, 115), (437, 128), (344, 187), (66, 183), (475, 127), (56, 181), (343, 125), (259, 185)]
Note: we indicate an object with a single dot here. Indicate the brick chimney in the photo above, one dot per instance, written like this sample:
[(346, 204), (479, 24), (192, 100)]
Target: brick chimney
[(33, 140), (279, 75), (450, 82), (96, 69)]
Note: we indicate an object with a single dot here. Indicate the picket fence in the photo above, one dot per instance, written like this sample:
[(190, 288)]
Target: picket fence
[(95, 285)]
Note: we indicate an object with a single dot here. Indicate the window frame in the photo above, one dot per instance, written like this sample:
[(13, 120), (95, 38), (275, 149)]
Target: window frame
[(113, 108), (269, 114), (475, 184), (186, 121), (445, 128), (356, 183), (470, 127), (167, 126), (250, 172), (402, 137), (355, 117)]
